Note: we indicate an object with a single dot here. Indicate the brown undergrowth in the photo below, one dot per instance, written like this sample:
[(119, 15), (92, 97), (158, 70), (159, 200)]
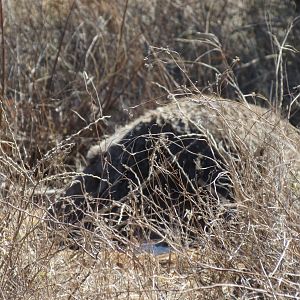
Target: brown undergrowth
[(112, 58), (254, 254)]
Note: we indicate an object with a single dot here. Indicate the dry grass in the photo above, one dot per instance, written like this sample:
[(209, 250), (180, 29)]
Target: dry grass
[(256, 254), (63, 75)]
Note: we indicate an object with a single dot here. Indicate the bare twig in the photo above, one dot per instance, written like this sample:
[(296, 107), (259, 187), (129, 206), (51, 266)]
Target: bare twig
[(3, 59), (107, 102), (50, 80)]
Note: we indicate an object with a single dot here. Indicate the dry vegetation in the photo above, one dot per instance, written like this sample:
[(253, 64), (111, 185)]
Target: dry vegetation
[(68, 64)]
